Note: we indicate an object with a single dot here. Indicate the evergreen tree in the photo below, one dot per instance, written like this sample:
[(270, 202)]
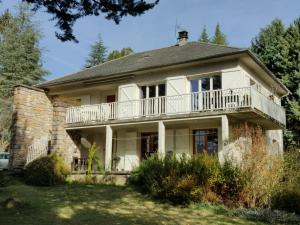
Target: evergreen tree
[(279, 49), (118, 54), (20, 60), (97, 54), (219, 38), (204, 36)]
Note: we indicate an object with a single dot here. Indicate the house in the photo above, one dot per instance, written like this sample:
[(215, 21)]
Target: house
[(182, 99)]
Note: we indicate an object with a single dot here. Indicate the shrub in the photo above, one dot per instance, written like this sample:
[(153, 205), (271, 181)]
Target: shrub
[(46, 171), (181, 180), (261, 170), (287, 200), (230, 183), (286, 196)]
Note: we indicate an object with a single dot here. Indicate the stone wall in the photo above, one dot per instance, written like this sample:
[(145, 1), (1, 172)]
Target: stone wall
[(32, 119), (36, 115), (64, 143)]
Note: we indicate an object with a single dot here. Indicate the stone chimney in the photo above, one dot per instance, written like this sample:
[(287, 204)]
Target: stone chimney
[(182, 37)]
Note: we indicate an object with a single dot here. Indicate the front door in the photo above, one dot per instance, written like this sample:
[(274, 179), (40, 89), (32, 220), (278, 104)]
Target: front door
[(149, 144), (205, 141)]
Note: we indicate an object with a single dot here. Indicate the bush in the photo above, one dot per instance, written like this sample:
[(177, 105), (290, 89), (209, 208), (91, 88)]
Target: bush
[(46, 171), (287, 193), (287, 200), (181, 180)]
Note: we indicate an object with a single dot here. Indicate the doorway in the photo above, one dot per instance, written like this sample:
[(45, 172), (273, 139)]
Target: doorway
[(149, 144)]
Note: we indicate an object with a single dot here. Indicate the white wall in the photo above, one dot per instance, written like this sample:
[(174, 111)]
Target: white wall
[(127, 150), (265, 88)]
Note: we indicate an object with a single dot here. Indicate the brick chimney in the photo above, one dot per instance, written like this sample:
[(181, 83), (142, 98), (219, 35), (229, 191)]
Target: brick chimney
[(182, 37)]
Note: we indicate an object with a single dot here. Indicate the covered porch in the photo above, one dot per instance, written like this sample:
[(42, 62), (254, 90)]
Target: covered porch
[(121, 147)]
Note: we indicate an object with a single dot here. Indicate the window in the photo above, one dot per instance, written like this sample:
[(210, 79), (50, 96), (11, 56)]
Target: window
[(161, 90), (217, 82), (206, 84), (195, 85), (205, 141), (153, 91)]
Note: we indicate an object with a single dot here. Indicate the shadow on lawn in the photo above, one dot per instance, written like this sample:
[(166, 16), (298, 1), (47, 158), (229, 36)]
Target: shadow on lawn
[(100, 204)]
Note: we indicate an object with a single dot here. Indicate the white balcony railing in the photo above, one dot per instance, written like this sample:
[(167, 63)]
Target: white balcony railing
[(216, 100)]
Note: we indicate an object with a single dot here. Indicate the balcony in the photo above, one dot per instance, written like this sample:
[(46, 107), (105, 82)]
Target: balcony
[(222, 101)]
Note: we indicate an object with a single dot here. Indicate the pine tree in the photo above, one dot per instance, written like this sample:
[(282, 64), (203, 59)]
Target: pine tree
[(97, 54), (219, 38), (118, 54), (20, 60), (204, 36), (279, 49)]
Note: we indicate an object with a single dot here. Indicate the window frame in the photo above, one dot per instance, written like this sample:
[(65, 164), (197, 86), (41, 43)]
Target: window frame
[(157, 93), (211, 84)]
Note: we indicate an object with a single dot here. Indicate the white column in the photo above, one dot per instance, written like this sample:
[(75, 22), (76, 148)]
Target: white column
[(161, 139), (224, 138), (108, 148)]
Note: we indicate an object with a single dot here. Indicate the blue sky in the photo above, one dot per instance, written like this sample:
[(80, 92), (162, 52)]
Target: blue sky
[(240, 20)]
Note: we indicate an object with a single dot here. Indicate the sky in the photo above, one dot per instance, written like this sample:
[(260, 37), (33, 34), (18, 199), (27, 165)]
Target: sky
[(240, 20)]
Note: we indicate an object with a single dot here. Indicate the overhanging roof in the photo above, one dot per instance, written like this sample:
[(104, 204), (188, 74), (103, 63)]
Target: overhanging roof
[(157, 58)]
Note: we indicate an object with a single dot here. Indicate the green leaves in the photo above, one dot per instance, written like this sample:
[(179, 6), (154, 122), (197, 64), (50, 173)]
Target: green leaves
[(218, 38), (98, 53), (20, 59), (279, 48)]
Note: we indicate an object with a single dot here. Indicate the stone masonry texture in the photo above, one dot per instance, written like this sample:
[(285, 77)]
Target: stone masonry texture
[(36, 115)]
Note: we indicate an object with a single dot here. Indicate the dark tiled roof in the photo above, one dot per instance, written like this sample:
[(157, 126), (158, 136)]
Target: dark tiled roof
[(173, 55)]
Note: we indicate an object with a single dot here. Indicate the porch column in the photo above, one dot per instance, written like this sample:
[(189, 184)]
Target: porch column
[(108, 148), (161, 139), (224, 138)]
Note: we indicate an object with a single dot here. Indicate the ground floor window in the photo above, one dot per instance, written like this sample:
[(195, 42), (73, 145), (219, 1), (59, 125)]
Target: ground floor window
[(149, 144), (205, 141)]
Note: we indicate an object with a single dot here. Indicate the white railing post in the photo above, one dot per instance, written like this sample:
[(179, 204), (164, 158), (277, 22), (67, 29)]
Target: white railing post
[(37, 149)]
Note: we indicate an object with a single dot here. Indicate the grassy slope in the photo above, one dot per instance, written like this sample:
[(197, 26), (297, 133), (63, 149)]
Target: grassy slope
[(99, 204)]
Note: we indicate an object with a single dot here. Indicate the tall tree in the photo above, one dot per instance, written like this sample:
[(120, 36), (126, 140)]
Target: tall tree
[(204, 36), (118, 54), (66, 13), (20, 59), (98, 53), (219, 37), (279, 49)]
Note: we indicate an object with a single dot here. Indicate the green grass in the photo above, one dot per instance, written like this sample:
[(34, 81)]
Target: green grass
[(101, 204)]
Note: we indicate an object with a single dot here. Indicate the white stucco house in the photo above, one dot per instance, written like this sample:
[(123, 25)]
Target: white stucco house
[(183, 98)]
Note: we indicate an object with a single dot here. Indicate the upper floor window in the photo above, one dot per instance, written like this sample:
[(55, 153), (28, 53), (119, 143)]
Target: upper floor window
[(153, 91), (206, 84)]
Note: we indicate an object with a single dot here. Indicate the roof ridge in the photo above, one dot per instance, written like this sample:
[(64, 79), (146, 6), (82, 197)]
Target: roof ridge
[(213, 44)]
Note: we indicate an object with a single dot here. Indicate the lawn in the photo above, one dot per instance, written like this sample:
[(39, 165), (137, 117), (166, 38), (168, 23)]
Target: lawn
[(101, 204)]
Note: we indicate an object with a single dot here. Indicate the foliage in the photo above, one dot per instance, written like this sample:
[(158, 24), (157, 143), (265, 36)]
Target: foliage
[(181, 180), (286, 196), (204, 36), (219, 37), (92, 158), (262, 170), (68, 12), (20, 60), (97, 54), (279, 49), (266, 215), (115, 54), (46, 171)]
